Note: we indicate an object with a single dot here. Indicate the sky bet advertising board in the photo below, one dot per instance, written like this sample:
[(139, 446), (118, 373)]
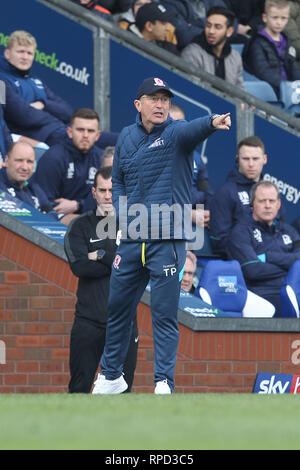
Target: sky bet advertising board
[(277, 383)]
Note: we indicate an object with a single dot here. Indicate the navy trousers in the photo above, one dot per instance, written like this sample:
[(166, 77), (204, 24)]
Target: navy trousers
[(135, 264)]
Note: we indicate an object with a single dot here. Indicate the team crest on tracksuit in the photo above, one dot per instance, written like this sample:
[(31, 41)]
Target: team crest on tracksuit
[(117, 261)]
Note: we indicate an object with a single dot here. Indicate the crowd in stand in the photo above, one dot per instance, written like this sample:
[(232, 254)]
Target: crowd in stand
[(202, 33)]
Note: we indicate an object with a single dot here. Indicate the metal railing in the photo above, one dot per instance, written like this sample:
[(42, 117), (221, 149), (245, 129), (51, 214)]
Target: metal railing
[(104, 30)]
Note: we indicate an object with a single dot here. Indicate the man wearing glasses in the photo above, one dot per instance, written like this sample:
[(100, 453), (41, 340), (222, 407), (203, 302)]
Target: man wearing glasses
[(152, 172)]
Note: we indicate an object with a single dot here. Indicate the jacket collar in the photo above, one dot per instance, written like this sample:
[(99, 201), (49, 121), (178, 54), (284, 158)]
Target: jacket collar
[(156, 128), (11, 69), (201, 40)]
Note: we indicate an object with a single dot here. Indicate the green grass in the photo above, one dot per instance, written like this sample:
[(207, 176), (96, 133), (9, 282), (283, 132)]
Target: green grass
[(149, 422)]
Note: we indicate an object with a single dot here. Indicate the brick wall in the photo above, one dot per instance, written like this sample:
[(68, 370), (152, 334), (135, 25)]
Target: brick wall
[(217, 361), (37, 298)]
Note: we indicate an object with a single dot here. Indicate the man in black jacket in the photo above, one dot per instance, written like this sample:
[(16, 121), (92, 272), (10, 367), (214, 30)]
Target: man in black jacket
[(269, 55), (154, 23), (90, 260)]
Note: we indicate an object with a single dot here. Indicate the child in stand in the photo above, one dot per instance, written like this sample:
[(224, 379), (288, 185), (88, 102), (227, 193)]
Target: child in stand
[(269, 55)]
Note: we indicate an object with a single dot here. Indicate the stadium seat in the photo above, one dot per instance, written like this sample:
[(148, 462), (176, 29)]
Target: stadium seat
[(238, 47), (222, 284), (248, 77), (262, 90), (290, 96), (290, 293)]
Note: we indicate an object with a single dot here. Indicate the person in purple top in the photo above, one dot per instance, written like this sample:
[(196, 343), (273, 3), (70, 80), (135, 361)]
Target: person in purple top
[(269, 55)]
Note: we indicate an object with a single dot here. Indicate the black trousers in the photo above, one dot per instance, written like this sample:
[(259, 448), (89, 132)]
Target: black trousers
[(86, 348)]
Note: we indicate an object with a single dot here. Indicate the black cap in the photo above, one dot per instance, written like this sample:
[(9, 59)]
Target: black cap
[(152, 12), (151, 86)]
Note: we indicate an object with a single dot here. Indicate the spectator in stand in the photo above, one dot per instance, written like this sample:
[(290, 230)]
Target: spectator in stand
[(264, 247), (211, 50), (189, 17), (232, 200), (189, 273), (292, 29), (15, 68), (249, 17), (105, 8), (108, 156), (15, 178), (127, 21), (32, 109), (269, 55), (66, 171), (153, 21)]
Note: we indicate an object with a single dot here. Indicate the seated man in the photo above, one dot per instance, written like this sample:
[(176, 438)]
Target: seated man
[(264, 247), (15, 68), (211, 50), (231, 201), (32, 109), (66, 171), (189, 19), (15, 177), (153, 21), (127, 21), (189, 273)]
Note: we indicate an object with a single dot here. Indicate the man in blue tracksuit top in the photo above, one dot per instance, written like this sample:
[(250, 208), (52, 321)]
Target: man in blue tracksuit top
[(153, 165), (231, 202), (264, 247), (32, 109), (66, 170), (16, 178)]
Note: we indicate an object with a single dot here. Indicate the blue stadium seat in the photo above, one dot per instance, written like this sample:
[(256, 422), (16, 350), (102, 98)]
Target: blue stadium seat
[(222, 284), (238, 47), (262, 90), (248, 77), (290, 96), (290, 293)]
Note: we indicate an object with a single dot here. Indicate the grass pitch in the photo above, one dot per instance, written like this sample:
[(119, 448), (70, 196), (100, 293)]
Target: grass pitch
[(149, 422)]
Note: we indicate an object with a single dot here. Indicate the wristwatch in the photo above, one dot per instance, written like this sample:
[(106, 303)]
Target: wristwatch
[(100, 254), (212, 118)]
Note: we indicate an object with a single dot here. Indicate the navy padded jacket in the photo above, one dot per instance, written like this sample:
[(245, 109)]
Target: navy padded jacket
[(264, 252), (157, 168)]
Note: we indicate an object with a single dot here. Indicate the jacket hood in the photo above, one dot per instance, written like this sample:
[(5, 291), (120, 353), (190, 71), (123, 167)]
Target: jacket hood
[(201, 40)]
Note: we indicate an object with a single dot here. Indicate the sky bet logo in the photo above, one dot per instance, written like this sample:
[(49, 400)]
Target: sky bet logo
[(277, 383)]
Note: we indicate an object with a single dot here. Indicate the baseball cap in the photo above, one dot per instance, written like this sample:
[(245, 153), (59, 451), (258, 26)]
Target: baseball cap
[(151, 86), (152, 12)]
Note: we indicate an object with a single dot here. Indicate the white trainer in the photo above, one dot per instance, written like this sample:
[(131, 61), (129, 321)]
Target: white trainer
[(109, 387), (162, 388)]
